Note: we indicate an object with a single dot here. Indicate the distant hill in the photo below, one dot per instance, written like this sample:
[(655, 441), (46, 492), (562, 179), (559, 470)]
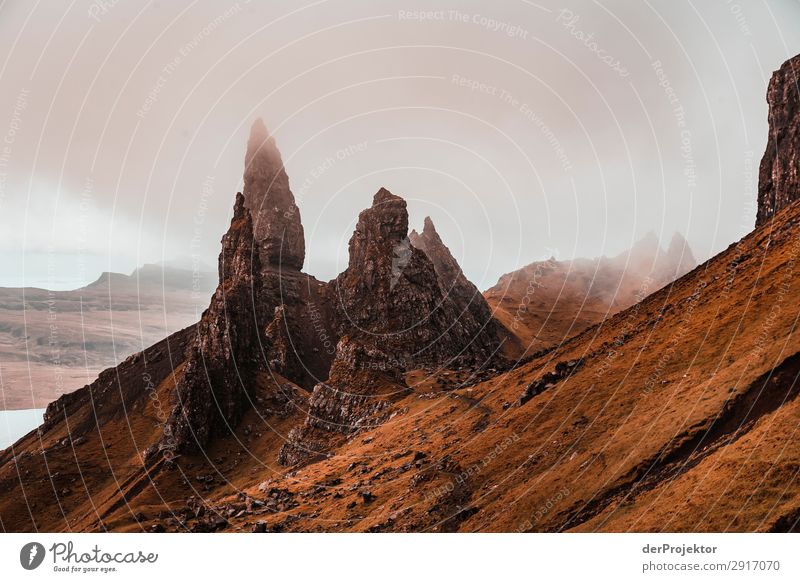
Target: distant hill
[(547, 302), (52, 342)]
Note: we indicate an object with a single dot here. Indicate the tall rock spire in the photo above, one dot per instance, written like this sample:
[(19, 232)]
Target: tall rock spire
[(779, 177), (276, 218), (266, 317)]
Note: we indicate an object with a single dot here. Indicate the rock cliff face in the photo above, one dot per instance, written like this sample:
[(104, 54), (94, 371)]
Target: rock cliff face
[(389, 292), (221, 367), (276, 218), (779, 177)]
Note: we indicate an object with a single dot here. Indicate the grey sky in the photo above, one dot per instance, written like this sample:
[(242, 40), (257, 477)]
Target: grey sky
[(124, 124)]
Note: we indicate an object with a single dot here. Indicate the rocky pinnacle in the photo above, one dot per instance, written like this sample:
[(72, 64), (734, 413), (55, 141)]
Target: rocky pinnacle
[(276, 218)]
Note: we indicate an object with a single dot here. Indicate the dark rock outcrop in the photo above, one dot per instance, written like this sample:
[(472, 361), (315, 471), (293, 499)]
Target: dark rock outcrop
[(364, 380), (391, 293), (474, 316), (299, 337), (276, 218), (549, 380), (214, 389), (779, 176)]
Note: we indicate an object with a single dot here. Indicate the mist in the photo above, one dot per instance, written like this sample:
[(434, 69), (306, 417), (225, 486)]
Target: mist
[(526, 130)]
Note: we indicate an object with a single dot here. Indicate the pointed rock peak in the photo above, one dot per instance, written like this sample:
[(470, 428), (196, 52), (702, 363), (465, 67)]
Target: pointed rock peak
[(646, 247), (678, 242), (680, 256), (261, 147), (447, 268), (384, 223), (238, 206), (258, 133), (648, 240), (383, 196), (428, 228), (276, 218), (429, 240), (680, 250)]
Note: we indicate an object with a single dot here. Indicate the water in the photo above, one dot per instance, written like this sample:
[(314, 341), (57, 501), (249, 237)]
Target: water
[(17, 423)]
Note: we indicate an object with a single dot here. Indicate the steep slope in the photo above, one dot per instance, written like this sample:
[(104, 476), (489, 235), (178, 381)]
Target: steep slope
[(547, 302), (670, 419)]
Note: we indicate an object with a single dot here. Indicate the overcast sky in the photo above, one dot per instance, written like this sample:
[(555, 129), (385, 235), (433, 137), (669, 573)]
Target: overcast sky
[(523, 129)]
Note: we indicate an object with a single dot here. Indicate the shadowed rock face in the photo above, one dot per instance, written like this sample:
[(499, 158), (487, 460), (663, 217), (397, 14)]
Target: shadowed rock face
[(473, 313), (213, 391), (389, 287), (276, 218), (779, 177)]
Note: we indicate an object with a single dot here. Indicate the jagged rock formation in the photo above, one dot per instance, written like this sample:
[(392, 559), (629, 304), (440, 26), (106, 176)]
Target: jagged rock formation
[(474, 315), (213, 392), (393, 315), (276, 218), (391, 293), (646, 258), (363, 382), (688, 399), (291, 304), (259, 317), (350, 339), (779, 176)]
